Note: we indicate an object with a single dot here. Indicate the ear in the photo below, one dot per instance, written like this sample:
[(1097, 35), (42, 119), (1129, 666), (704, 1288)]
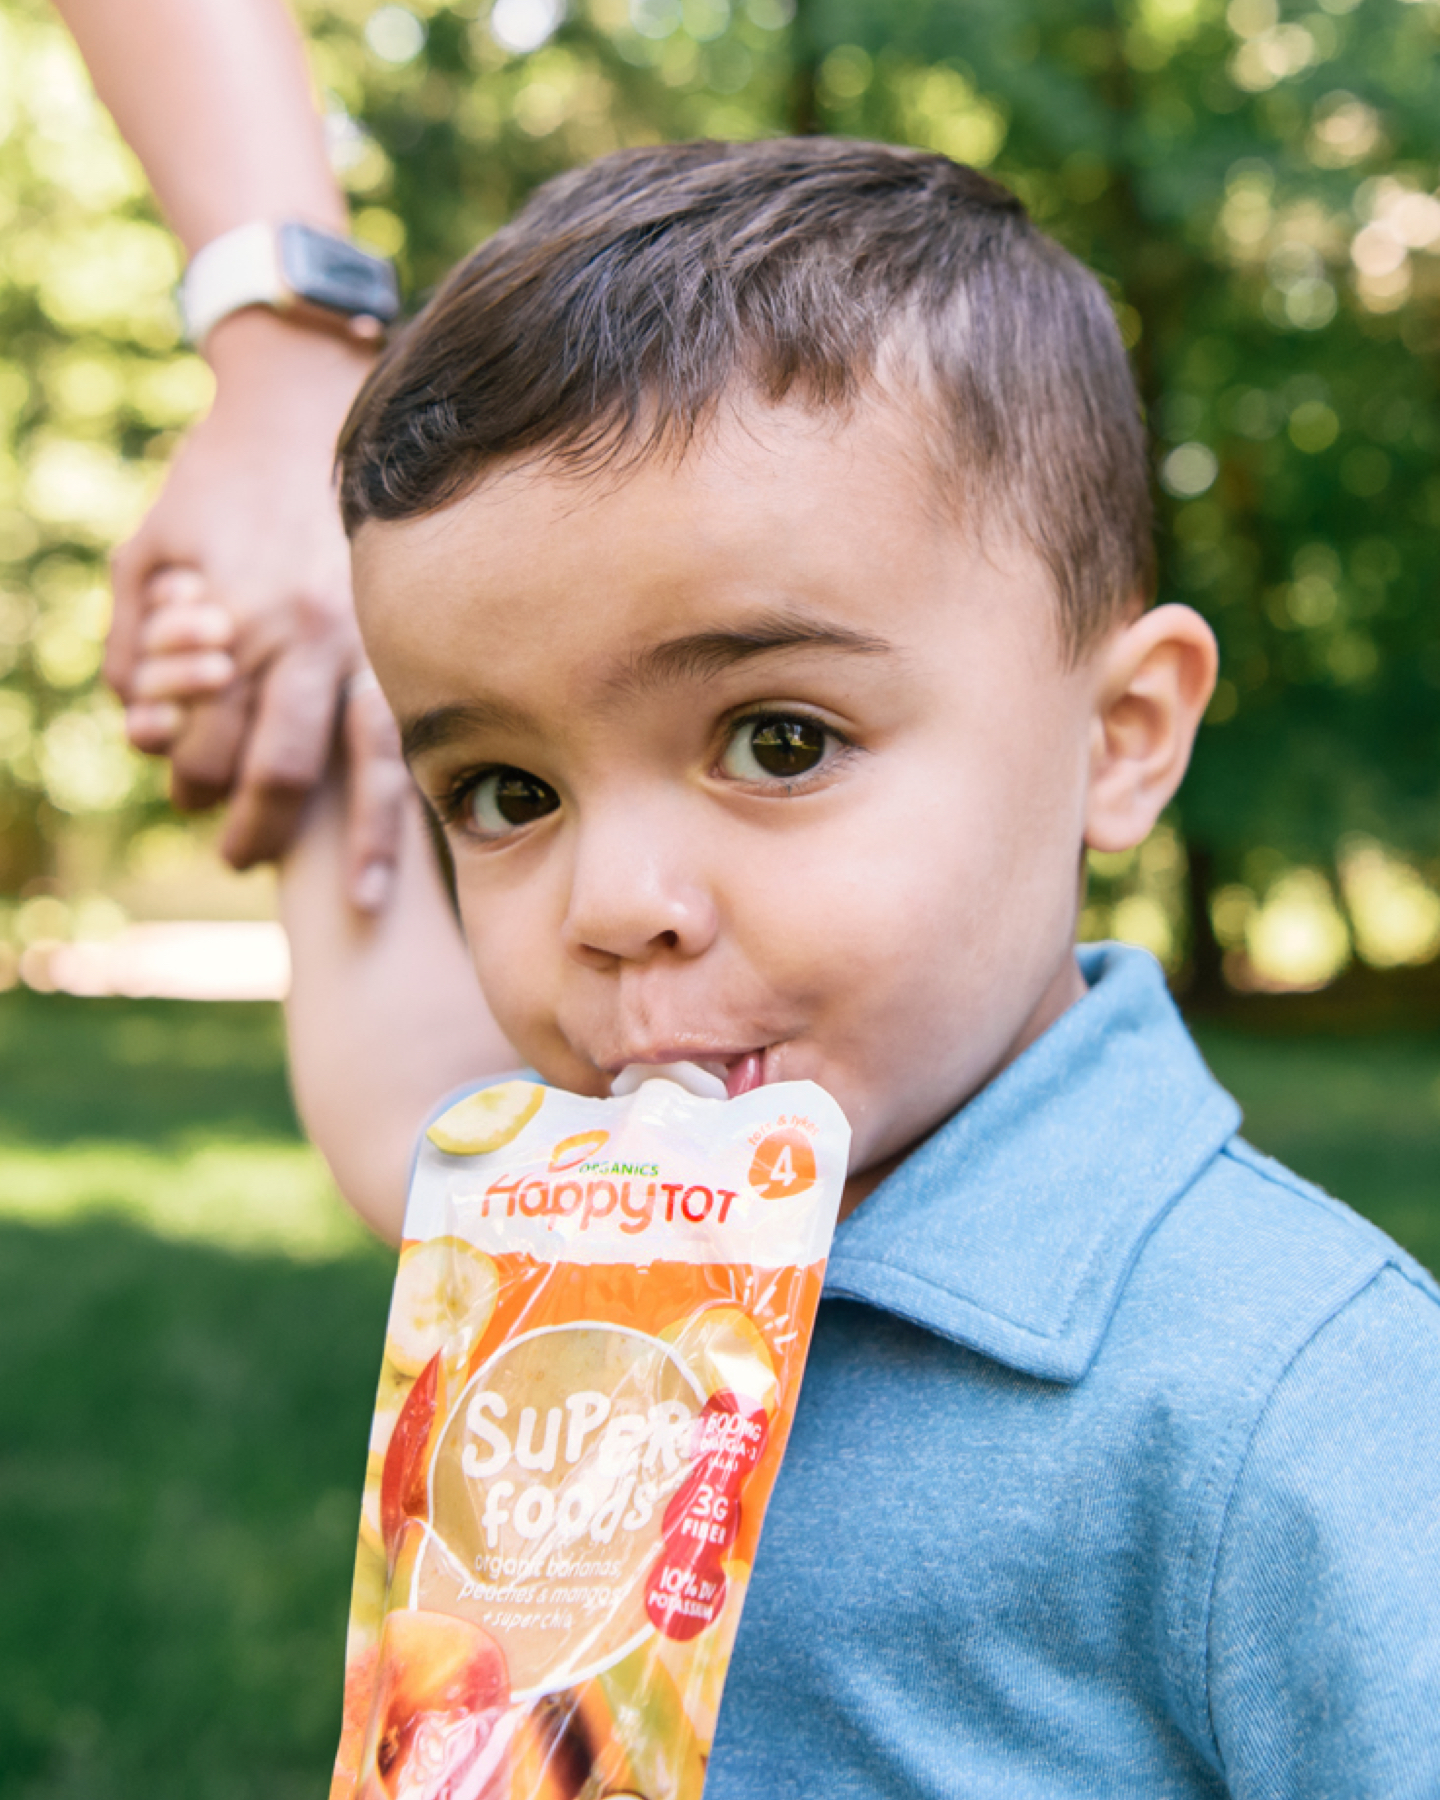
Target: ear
[(1153, 682)]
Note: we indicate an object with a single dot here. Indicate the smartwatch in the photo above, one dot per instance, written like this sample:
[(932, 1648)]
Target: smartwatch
[(310, 275)]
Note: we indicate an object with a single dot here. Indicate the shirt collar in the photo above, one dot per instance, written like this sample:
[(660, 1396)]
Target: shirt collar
[(1013, 1228)]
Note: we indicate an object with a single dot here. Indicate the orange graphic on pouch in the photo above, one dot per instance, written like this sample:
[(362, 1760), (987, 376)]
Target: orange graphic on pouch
[(784, 1164), (572, 1151)]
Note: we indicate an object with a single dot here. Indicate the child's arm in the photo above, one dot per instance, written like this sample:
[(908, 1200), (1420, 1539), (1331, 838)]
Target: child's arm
[(385, 1015), (1322, 1648)]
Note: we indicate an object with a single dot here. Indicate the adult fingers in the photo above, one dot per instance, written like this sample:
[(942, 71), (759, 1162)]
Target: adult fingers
[(130, 567), (377, 788), (193, 796), (287, 751)]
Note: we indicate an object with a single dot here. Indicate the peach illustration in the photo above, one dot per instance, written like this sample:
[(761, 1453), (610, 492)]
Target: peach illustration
[(440, 1689)]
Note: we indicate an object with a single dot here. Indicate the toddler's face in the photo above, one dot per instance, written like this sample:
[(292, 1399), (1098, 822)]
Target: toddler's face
[(752, 758)]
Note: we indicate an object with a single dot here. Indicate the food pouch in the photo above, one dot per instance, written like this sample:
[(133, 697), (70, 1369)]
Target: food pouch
[(600, 1319)]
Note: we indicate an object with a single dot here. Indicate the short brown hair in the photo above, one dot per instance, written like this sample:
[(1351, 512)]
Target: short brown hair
[(626, 297)]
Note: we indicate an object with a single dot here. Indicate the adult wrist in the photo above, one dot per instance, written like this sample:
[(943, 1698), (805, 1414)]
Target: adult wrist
[(258, 345), (317, 278)]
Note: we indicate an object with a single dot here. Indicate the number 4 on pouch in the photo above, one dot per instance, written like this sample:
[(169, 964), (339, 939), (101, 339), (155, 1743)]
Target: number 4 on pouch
[(783, 1165)]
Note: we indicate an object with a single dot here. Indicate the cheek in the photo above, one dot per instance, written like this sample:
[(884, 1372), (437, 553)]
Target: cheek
[(948, 893), (513, 953), (1015, 828), (854, 922)]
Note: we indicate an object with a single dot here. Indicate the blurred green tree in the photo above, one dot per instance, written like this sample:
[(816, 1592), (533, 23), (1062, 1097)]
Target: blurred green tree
[(1257, 188), (1254, 181)]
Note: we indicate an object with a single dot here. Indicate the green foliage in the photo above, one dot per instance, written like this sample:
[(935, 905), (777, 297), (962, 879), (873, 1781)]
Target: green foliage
[(91, 387), (1255, 182), (1359, 1116)]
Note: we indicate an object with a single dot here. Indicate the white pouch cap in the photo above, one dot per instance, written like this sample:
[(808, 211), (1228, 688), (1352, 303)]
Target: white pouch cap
[(687, 1075)]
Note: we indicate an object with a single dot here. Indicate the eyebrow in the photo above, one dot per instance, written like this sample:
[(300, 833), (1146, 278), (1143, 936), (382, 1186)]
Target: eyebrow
[(442, 725), (706, 653), (697, 656)]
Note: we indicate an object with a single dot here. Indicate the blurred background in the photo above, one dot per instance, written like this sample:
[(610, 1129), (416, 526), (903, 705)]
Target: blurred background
[(189, 1323)]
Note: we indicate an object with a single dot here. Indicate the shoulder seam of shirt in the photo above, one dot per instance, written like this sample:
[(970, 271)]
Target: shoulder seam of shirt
[(1427, 1288), (1364, 1230), (1240, 1150), (1242, 1461)]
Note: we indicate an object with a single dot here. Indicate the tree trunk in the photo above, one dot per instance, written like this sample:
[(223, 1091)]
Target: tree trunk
[(804, 68), (1206, 987)]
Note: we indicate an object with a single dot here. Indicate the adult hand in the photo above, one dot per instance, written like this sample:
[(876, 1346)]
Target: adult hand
[(249, 513)]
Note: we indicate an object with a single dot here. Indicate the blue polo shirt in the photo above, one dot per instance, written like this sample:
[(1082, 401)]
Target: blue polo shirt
[(1116, 1470)]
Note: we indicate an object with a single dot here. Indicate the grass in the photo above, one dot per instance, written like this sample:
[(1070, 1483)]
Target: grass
[(189, 1331), (189, 1335), (184, 1433)]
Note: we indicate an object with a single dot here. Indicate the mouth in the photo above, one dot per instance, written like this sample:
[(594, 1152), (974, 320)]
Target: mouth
[(742, 1071)]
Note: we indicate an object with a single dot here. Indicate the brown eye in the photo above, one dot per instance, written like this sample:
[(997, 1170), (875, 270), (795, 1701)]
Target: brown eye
[(505, 799), (777, 749)]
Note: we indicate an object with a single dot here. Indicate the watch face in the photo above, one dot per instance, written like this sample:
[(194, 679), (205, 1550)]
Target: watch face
[(327, 271)]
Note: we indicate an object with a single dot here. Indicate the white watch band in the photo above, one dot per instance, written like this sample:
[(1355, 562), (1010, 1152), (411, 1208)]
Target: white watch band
[(240, 268)]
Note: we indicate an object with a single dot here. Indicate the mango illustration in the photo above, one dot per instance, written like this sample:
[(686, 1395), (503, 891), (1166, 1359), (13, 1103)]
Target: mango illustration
[(402, 1480), (724, 1350), (698, 1668), (665, 1753)]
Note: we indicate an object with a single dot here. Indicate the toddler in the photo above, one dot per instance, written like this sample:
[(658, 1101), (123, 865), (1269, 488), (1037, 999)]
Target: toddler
[(753, 545)]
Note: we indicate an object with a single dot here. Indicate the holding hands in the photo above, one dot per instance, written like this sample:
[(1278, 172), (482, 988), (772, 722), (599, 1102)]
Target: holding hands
[(236, 651), (193, 702), (234, 632), (234, 645)]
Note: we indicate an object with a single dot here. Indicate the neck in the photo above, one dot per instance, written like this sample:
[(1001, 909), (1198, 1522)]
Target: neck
[(1066, 986)]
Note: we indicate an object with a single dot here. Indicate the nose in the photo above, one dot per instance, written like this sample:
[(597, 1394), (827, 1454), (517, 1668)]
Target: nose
[(636, 891)]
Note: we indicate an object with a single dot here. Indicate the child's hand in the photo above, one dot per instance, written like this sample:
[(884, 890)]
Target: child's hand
[(182, 659), (191, 702)]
